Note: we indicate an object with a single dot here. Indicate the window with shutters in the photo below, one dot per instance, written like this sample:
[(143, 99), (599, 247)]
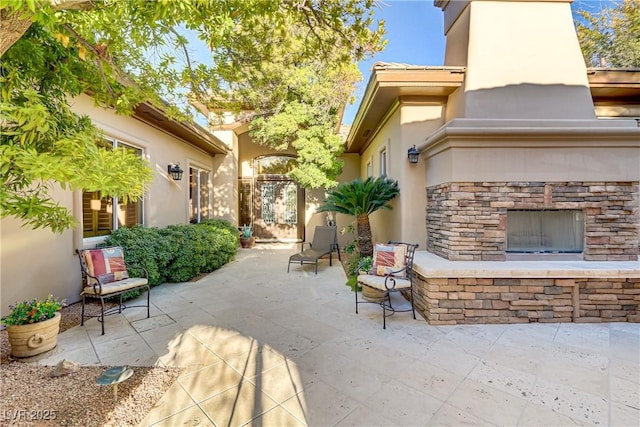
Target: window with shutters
[(100, 216)]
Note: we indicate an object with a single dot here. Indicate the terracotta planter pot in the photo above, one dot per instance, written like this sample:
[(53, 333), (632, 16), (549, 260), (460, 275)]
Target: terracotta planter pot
[(247, 242), (34, 338), (372, 294)]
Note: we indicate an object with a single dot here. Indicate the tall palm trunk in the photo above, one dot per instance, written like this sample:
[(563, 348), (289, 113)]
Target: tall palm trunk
[(364, 235)]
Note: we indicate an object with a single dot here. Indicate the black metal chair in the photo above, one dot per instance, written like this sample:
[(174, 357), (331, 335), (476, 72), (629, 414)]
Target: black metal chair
[(105, 275), (325, 242), (395, 278)]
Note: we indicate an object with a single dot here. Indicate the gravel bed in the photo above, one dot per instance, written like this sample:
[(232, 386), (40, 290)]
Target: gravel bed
[(30, 396)]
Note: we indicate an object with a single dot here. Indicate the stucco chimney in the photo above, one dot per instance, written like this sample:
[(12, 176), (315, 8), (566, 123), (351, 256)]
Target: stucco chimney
[(522, 59)]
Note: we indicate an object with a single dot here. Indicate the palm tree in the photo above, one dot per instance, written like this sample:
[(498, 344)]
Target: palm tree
[(360, 199)]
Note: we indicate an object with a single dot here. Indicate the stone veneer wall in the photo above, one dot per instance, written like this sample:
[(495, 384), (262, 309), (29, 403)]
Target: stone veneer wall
[(449, 301), (467, 220)]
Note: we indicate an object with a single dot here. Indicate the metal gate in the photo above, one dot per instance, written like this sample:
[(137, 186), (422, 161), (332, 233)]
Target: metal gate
[(275, 207)]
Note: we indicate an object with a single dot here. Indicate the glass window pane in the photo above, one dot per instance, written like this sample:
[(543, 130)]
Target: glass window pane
[(545, 231), (291, 204), (268, 200), (204, 195), (193, 195), (98, 214), (199, 195), (275, 165)]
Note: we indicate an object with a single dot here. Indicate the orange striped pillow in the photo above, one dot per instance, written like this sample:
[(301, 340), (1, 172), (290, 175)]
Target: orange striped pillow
[(388, 258), (107, 264)]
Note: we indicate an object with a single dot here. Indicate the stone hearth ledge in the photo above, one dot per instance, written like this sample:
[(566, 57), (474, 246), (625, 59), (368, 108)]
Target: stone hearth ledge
[(427, 264)]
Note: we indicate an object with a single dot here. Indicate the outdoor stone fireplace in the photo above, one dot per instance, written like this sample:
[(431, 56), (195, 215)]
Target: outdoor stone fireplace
[(467, 221)]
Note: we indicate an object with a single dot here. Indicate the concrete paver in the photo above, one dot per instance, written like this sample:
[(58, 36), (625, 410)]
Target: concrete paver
[(263, 347)]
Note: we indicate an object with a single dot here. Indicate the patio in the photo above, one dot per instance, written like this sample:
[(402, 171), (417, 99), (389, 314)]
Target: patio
[(264, 347)]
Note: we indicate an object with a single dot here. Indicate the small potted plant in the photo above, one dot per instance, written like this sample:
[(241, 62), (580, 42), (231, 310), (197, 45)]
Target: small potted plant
[(246, 236), (33, 326)]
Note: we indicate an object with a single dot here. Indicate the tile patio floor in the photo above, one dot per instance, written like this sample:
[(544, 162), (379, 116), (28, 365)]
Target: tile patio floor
[(264, 347)]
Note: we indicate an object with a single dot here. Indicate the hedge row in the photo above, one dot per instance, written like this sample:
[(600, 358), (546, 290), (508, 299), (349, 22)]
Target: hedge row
[(177, 253)]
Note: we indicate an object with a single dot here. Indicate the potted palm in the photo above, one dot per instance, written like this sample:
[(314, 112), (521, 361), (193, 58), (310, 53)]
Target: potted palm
[(361, 198), (32, 326), (246, 236)]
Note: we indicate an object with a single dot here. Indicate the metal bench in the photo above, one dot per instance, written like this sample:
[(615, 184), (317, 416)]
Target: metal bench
[(106, 274)]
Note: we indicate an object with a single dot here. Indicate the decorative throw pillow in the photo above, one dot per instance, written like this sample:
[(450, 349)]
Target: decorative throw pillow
[(388, 258), (107, 264)]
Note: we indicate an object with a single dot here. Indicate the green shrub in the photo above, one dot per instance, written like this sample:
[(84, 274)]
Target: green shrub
[(223, 239), (145, 247), (188, 257), (354, 266), (177, 253), (352, 282)]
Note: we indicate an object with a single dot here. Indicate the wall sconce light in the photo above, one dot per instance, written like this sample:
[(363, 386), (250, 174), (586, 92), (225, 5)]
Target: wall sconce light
[(413, 155), (175, 171)]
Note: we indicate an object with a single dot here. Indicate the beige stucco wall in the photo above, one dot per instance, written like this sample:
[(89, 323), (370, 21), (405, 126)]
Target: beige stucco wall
[(540, 154), (385, 224), (457, 34), (416, 121), (225, 180), (523, 60), (166, 202), (37, 262), (247, 151), (405, 127)]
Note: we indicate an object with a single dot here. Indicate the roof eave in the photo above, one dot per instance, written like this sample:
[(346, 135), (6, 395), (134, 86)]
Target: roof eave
[(190, 133), (387, 83)]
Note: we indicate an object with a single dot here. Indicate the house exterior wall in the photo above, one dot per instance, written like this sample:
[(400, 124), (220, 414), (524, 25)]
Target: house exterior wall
[(36, 263), (166, 201), (225, 179), (507, 45), (405, 127), (386, 224)]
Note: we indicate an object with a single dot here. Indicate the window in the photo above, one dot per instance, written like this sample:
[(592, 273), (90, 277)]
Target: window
[(291, 203), (275, 165), (100, 216), (383, 161), (548, 231), (199, 207), (268, 201)]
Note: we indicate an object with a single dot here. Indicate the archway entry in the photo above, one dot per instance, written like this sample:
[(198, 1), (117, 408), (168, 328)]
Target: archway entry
[(272, 202)]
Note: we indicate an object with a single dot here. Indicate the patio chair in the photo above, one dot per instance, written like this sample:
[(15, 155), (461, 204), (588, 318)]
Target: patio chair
[(106, 274), (325, 242), (392, 271)]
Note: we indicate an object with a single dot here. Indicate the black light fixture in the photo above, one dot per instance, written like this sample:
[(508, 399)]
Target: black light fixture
[(413, 155), (175, 171)]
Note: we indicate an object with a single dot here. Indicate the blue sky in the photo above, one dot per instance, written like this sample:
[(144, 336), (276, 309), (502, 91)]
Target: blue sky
[(415, 35)]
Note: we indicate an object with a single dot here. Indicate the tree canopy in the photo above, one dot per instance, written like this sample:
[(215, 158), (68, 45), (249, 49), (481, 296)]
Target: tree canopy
[(610, 37), (291, 62)]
